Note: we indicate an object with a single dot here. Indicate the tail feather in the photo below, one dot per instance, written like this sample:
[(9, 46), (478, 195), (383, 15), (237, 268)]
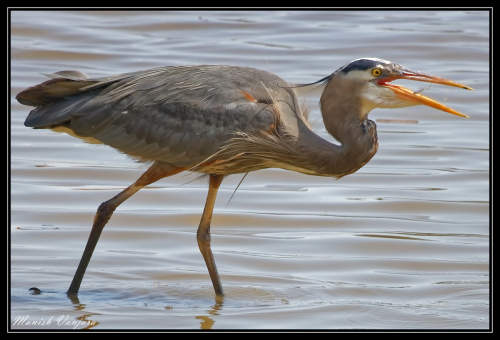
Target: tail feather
[(61, 85), (58, 99)]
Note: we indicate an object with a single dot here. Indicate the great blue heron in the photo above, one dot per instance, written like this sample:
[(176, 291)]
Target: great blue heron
[(221, 120)]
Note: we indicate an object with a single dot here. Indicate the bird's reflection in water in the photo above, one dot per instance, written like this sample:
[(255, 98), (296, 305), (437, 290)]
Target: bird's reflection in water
[(206, 321), (80, 307), (76, 301), (90, 323)]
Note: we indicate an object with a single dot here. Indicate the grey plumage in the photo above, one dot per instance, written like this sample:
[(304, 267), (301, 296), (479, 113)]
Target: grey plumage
[(167, 114)]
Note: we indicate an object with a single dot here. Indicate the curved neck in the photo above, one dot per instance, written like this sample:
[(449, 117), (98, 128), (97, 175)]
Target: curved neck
[(346, 121)]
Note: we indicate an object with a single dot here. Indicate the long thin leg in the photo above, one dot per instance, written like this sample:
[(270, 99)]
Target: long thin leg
[(203, 234), (155, 172)]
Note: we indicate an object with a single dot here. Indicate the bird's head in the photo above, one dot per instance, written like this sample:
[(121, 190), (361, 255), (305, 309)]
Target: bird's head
[(372, 77)]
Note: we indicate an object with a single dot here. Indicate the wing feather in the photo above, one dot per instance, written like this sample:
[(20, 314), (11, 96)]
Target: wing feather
[(178, 115)]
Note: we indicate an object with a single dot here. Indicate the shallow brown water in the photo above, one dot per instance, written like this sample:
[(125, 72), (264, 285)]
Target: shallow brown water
[(403, 243)]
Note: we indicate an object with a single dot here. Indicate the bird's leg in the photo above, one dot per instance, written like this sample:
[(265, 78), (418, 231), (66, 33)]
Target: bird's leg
[(203, 234), (155, 172)]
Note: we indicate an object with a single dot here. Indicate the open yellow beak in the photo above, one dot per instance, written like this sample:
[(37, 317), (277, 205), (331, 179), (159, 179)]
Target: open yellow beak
[(415, 97)]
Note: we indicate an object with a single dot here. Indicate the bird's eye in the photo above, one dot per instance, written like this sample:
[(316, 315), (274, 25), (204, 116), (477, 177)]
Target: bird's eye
[(376, 72)]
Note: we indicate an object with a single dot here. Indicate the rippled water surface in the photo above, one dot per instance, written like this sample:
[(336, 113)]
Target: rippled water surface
[(402, 243)]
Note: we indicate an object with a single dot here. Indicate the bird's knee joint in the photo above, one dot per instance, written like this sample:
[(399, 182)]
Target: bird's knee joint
[(203, 236), (105, 211)]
